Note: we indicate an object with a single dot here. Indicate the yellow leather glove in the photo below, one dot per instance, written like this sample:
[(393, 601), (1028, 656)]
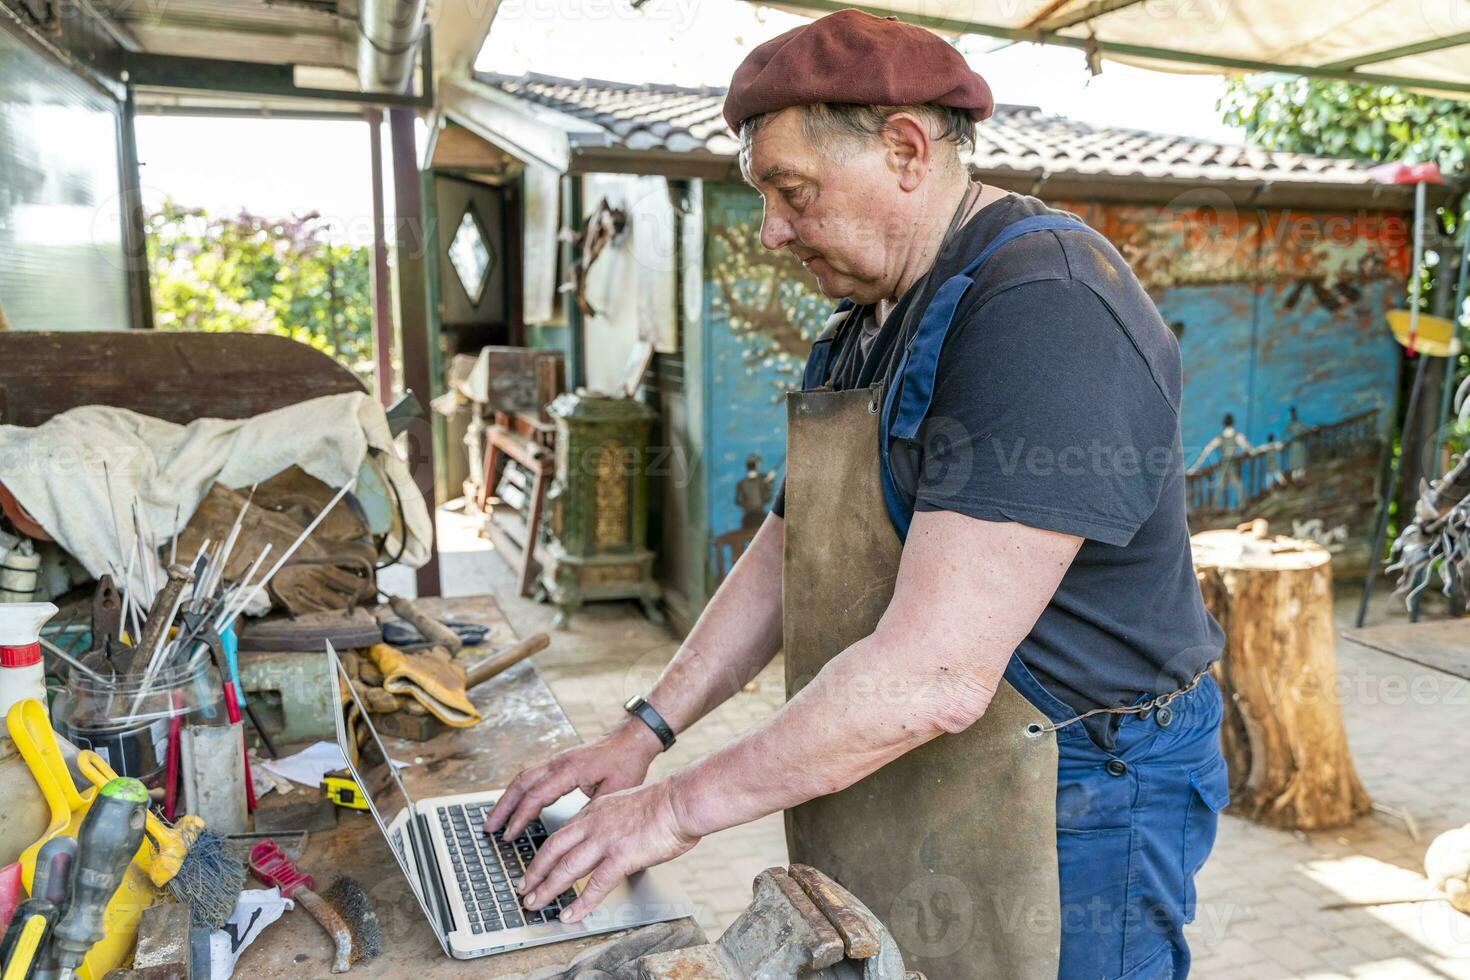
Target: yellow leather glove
[(434, 679)]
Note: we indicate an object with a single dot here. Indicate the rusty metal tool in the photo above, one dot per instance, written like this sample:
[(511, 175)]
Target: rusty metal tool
[(800, 924), (160, 617), (344, 911), (435, 632)]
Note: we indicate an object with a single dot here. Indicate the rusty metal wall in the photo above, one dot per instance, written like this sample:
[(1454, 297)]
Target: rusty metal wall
[(1274, 310), (62, 259)]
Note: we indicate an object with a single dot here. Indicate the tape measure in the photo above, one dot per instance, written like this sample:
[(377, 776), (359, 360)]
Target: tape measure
[(341, 789)]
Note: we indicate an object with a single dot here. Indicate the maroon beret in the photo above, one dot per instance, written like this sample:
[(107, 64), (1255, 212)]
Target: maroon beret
[(853, 57)]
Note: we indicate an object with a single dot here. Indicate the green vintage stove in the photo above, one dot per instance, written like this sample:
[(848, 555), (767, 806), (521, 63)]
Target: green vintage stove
[(597, 544)]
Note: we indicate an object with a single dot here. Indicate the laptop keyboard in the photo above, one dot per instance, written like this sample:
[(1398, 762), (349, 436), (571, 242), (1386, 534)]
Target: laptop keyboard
[(487, 869)]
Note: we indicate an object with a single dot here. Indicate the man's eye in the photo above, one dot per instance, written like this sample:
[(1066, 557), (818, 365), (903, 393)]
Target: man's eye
[(795, 197)]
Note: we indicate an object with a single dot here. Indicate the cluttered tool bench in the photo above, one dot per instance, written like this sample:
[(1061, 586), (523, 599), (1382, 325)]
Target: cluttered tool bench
[(230, 750), (206, 517), (521, 724)]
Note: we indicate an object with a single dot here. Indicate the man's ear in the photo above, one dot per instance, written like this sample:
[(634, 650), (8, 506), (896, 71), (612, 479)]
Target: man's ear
[(909, 148)]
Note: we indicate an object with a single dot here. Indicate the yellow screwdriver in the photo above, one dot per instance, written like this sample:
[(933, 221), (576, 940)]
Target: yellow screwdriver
[(22, 949)]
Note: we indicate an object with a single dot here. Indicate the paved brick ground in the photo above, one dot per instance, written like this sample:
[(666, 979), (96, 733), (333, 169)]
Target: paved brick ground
[(1261, 897)]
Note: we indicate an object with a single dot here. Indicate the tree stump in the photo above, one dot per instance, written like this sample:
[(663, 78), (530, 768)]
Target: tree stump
[(1282, 736)]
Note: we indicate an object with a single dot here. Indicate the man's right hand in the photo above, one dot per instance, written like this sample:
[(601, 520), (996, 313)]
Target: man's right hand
[(618, 760)]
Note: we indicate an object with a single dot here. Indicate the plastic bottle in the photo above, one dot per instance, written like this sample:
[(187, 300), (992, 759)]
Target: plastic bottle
[(20, 573), (22, 674)]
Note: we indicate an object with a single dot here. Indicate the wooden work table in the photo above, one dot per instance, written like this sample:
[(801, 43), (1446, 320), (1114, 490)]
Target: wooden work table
[(522, 724)]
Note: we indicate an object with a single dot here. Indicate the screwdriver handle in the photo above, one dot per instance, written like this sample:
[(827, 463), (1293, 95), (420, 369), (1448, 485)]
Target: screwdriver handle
[(22, 959), (107, 840), (52, 879), (48, 892)]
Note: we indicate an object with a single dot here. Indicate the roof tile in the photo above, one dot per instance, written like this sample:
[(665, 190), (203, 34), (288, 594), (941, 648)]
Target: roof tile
[(1022, 139)]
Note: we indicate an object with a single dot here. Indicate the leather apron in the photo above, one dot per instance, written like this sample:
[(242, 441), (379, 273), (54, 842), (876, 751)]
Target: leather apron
[(954, 844)]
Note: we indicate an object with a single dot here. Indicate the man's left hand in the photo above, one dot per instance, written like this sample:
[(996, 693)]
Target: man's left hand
[(611, 838)]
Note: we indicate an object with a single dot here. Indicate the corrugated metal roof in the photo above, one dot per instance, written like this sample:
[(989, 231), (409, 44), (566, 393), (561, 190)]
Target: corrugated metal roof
[(1017, 139)]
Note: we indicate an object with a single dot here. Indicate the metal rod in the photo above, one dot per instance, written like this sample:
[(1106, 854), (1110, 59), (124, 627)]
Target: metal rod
[(223, 560), (250, 596), (112, 513), (173, 548), (1458, 310), (1376, 554), (265, 739), (75, 664)]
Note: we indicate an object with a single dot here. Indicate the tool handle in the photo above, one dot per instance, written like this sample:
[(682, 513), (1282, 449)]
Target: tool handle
[(27, 949), (172, 848), (330, 920), (171, 771), (272, 866), (107, 840), (30, 729), (498, 662), (230, 640), (157, 625), (52, 878), (430, 628)]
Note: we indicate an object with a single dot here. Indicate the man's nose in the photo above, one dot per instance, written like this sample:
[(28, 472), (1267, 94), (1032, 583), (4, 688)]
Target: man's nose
[(776, 232)]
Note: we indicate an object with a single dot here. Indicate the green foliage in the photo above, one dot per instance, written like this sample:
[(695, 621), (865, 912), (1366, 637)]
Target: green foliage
[(252, 274), (1349, 119)]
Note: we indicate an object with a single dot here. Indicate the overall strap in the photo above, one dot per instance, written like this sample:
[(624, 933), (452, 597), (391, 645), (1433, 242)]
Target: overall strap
[(907, 400), (819, 361)]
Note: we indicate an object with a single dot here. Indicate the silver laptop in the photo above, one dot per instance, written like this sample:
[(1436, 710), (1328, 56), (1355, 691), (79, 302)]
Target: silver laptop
[(464, 879)]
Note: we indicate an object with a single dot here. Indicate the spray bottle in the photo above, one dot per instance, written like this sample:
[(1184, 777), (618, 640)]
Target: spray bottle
[(22, 674)]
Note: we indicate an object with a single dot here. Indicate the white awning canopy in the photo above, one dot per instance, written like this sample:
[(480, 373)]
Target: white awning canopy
[(1418, 44)]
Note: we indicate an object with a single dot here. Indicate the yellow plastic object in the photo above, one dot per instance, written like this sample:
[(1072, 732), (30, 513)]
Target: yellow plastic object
[(1433, 335), (342, 789), (30, 729), (173, 842), (26, 947)]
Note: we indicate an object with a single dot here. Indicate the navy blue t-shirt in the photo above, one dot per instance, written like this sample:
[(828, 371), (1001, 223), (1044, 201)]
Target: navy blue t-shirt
[(1056, 405)]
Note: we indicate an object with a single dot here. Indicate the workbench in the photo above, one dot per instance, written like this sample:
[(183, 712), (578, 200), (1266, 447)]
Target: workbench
[(522, 725), (1442, 644)]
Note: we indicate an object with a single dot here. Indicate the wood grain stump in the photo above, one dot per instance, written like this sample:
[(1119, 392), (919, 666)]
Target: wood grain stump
[(1282, 735)]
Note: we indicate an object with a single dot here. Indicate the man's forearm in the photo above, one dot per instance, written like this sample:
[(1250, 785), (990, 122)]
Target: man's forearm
[(967, 593), (866, 708), (737, 635)]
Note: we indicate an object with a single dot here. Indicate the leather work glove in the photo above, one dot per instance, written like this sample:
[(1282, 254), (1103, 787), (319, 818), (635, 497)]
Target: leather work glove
[(434, 679)]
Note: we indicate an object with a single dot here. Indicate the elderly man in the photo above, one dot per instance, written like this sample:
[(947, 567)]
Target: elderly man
[(1000, 730)]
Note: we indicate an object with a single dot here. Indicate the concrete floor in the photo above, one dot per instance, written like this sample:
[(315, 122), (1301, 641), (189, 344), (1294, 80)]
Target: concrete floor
[(1262, 894)]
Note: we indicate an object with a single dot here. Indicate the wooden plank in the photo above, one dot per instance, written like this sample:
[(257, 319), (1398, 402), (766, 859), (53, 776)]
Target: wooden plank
[(179, 377), (1442, 645), (523, 725)]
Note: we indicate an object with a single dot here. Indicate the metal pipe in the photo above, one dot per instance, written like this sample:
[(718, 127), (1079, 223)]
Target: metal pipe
[(388, 33), (1456, 312), (382, 309)]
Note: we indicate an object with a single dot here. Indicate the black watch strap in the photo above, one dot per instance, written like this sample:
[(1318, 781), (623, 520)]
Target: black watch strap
[(645, 713)]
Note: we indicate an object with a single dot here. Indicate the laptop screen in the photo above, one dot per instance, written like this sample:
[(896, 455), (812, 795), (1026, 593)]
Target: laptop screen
[(387, 797)]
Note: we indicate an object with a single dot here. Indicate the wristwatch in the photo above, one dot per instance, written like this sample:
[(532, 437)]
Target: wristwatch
[(645, 713)]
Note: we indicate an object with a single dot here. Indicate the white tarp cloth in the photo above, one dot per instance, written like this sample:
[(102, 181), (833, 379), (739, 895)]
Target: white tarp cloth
[(56, 470), (1314, 33)]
